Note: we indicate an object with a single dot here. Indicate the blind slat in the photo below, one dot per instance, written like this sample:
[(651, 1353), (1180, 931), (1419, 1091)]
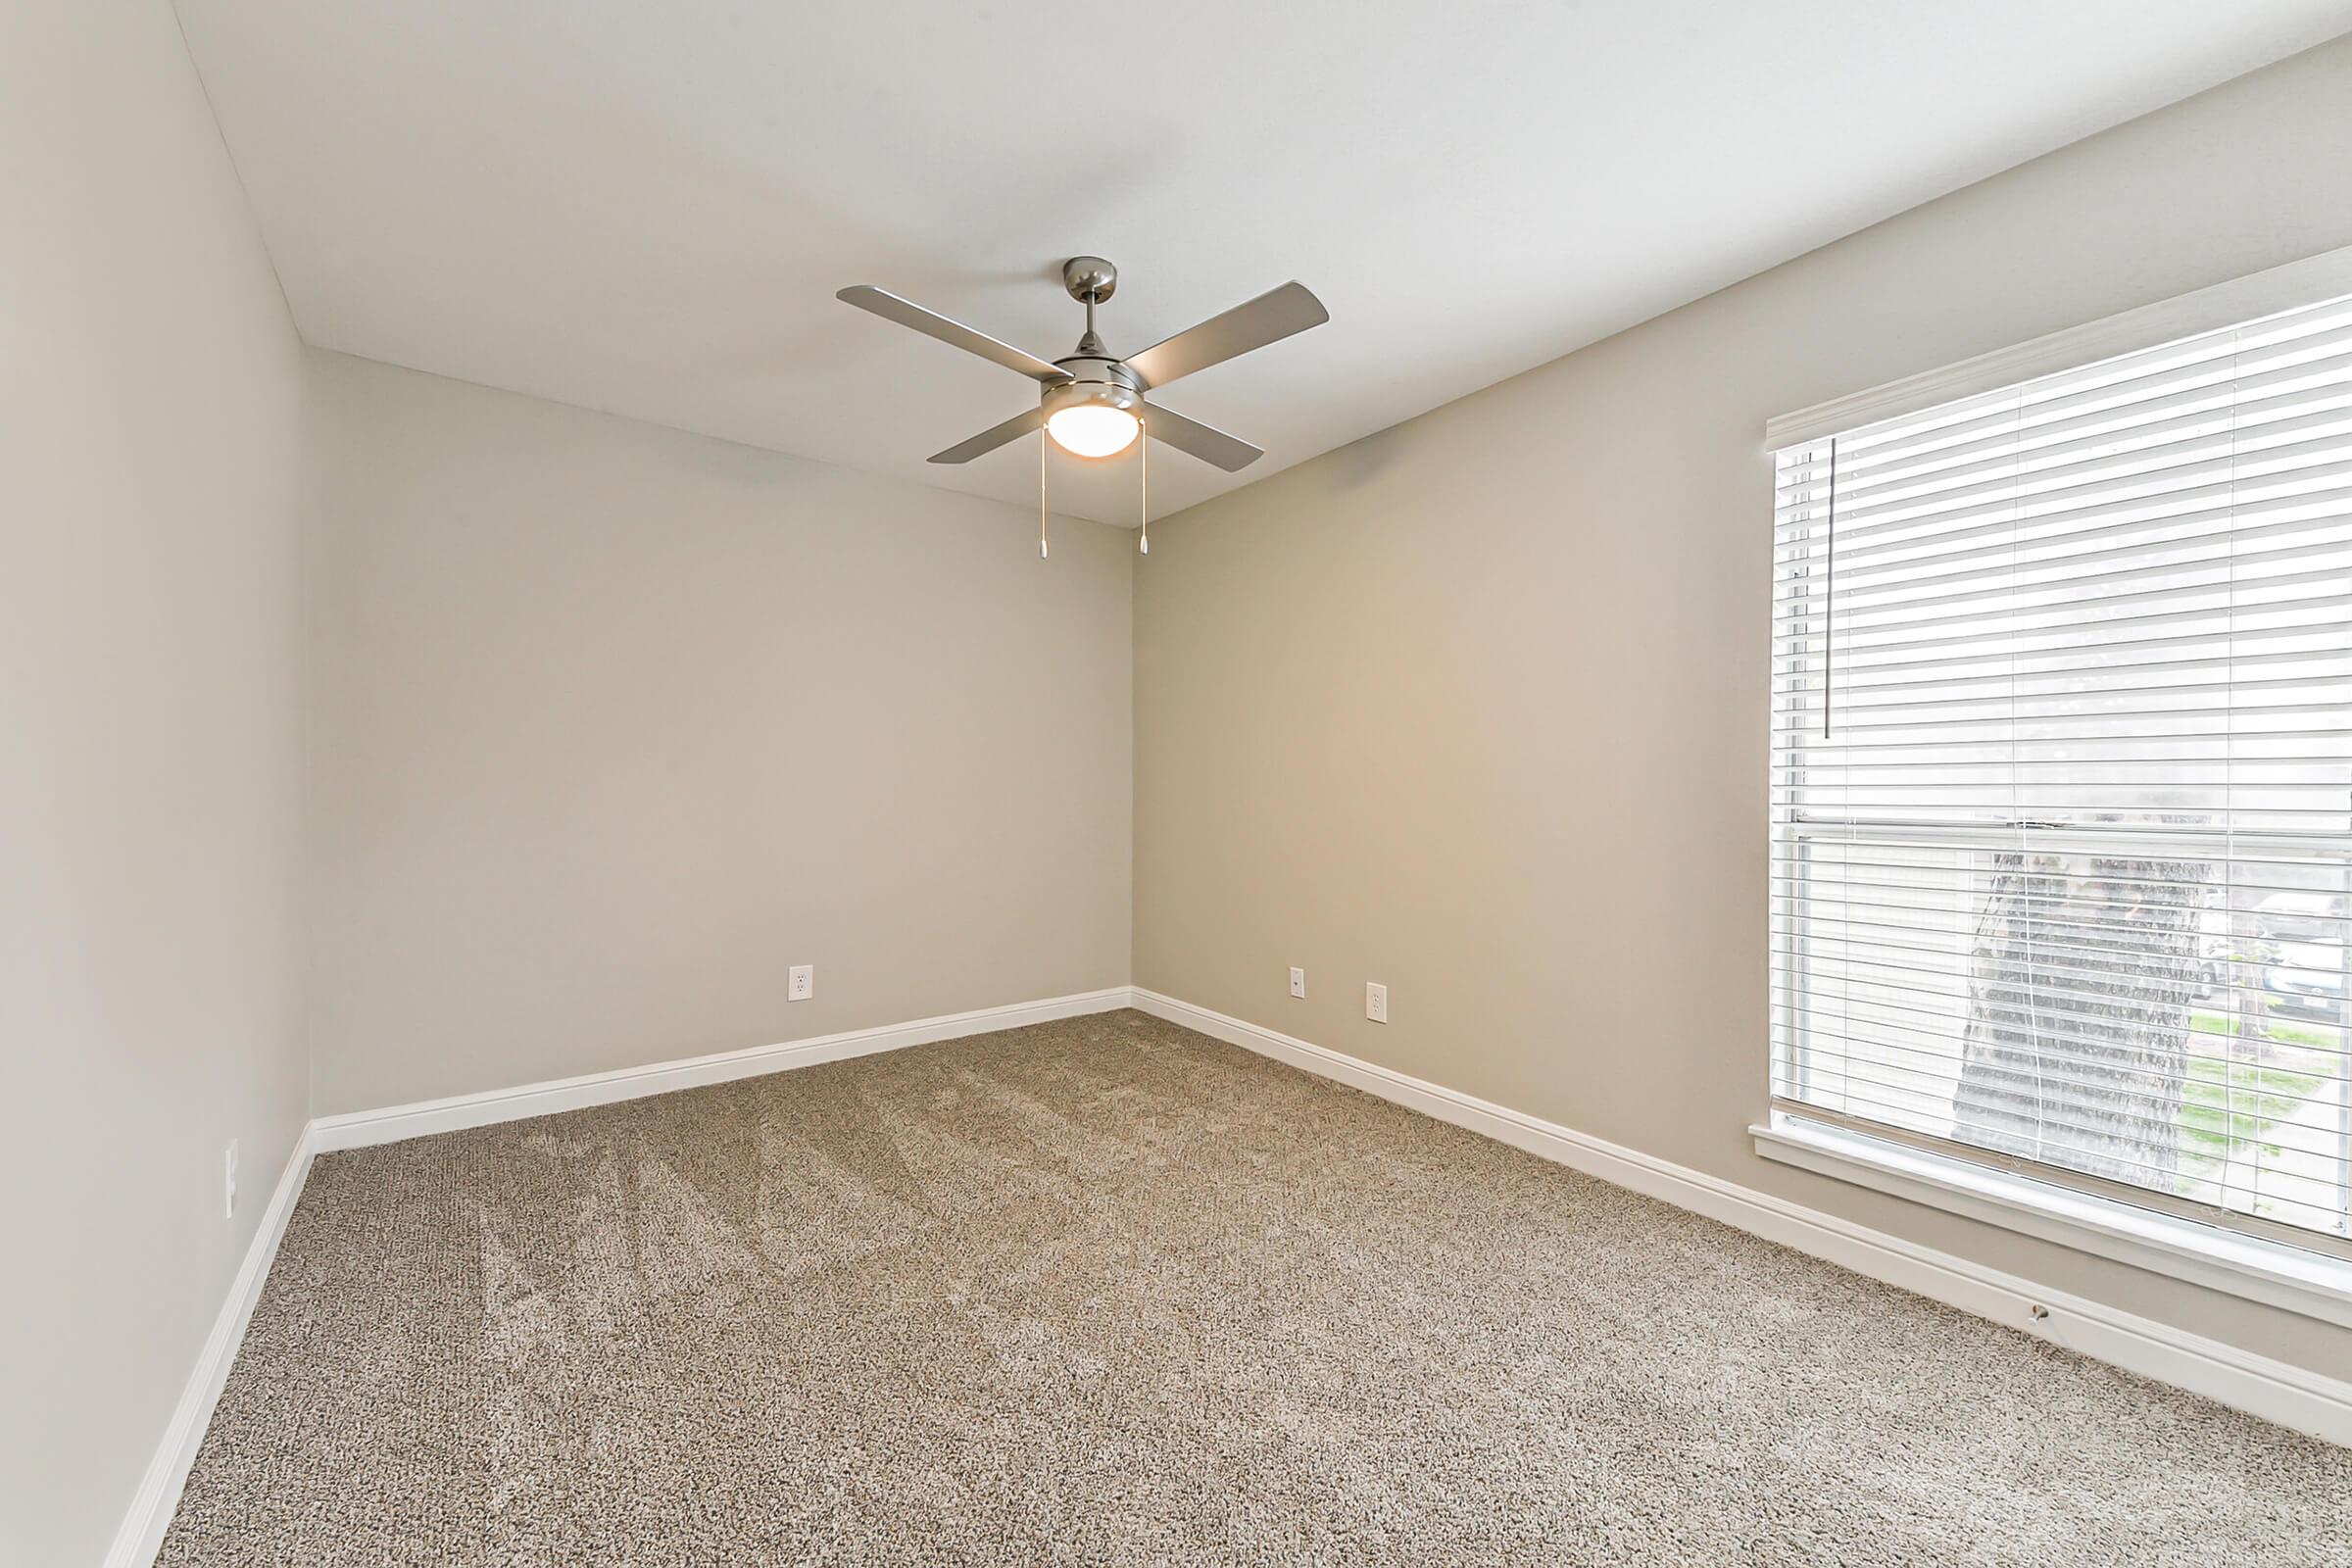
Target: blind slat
[(2074, 1103)]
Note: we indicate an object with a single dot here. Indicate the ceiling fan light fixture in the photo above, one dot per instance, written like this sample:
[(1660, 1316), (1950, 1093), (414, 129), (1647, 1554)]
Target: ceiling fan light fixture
[(1093, 430), (1091, 403)]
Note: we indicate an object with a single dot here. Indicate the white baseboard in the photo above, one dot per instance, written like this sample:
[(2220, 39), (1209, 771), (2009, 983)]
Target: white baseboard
[(357, 1129), (141, 1534), (2276, 1390), (2273, 1390), (143, 1527)]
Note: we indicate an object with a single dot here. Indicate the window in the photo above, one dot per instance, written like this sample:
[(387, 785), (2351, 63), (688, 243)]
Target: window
[(2062, 776)]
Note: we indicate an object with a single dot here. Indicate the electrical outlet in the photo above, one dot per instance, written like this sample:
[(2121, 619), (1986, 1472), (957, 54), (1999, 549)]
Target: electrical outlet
[(229, 1182), (1298, 984), (1376, 1002), (803, 983)]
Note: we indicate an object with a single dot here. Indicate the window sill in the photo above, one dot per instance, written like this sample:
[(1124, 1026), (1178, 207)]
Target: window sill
[(2300, 1280)]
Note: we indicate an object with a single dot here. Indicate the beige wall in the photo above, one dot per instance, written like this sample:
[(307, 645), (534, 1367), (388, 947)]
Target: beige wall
[(614, 724), (1476, 707), (149, 409)]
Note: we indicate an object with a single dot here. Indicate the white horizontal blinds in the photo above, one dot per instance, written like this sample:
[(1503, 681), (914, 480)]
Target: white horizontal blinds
[(2062, 772)]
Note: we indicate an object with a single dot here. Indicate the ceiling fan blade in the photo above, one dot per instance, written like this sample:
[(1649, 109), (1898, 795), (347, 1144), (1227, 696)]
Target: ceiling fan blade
[(1271, 318), (994, 436), (891, 308), (1203, 441)]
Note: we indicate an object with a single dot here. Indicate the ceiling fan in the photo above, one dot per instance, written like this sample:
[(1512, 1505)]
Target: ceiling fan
[(1091, 403)]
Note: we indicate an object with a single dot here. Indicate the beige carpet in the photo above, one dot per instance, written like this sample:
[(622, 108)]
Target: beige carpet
[(1106, 1290)]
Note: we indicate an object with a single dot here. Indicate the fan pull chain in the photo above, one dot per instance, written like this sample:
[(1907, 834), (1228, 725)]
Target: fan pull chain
[(1143, 436), (1043, 550)]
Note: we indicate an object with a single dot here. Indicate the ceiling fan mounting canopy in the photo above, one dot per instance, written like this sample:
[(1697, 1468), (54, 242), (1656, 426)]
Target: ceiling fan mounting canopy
[(1090, 278), (1091, 402)]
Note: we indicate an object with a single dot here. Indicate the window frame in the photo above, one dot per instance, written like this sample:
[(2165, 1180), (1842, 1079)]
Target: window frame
[(2299, 1279), (2292, 1266)]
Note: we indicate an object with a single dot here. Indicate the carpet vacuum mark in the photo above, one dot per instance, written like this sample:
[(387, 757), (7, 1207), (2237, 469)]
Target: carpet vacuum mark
[(1105, 1291)]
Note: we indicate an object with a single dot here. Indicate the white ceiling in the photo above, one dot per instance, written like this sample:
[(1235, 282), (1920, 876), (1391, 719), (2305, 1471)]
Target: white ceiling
[(645, 206)]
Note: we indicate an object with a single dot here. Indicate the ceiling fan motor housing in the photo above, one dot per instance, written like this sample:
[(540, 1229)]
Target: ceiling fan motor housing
[(1104, 382)]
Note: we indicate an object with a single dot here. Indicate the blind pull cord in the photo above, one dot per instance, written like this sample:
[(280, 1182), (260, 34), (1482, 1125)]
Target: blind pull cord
[(1828, 608)]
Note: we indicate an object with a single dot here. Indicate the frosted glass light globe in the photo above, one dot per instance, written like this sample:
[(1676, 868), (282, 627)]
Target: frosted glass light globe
[(1092, 430)]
